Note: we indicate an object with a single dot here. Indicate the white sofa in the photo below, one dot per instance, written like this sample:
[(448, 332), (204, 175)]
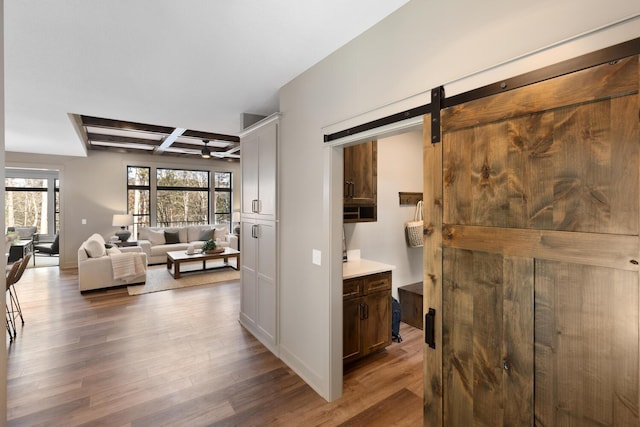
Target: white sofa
[(157, 241), (96, 265)]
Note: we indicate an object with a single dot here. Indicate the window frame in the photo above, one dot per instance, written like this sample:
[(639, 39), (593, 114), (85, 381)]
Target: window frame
[(228, 190), (182, 188), (52, 190), (142, 188), (153, 188)]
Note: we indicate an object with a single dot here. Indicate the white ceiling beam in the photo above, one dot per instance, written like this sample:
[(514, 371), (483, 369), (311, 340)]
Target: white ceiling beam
[(170, 139)]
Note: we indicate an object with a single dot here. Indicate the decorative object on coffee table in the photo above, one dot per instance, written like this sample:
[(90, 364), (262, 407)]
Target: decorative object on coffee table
[(122, 221), (211, 247)]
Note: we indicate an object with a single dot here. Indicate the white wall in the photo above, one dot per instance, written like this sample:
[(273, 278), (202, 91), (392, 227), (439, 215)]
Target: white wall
[(399, 169), (423, 45), (3, 263), (94, 188)]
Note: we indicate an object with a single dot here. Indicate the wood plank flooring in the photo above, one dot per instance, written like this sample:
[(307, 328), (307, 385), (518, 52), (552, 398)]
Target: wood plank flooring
[(180, 358)]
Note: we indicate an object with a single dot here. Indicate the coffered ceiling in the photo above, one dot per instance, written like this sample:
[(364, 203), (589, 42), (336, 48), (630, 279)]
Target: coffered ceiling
[(196, 65), (122, 136)]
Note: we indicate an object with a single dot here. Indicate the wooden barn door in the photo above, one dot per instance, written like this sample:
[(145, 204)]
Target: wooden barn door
[(531, 259)]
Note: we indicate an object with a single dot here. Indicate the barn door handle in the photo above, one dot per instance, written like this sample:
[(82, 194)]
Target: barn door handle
[(430, 328)]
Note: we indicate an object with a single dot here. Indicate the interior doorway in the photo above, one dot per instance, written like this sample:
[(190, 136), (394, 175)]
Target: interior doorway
[(399, 169), (32, 213)]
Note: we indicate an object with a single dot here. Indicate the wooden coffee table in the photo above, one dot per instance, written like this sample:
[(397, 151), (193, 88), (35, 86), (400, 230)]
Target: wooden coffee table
[(175, 258)]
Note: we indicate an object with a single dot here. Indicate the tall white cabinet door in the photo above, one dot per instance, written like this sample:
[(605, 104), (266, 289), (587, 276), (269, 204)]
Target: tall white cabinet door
[(250, 156), (249, 272), (266, 279), (259, 169), (267, 165)]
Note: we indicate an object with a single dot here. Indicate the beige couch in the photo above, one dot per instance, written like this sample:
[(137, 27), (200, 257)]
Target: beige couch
[(157, 241), (99, 267)]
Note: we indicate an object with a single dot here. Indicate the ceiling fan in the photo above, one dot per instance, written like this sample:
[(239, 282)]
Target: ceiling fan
[(206, 153)]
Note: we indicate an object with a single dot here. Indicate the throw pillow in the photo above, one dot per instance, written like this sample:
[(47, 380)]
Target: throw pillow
[(94, 248), (156, 237), (171, 237), (221, 232), (206, 234)]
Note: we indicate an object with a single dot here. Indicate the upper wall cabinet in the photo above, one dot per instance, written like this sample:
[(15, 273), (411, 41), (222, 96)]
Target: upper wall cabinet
[(361, 182), (259, 154)]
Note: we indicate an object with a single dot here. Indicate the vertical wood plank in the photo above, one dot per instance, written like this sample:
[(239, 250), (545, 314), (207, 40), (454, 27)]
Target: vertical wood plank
[(626, 339), (633, 385), (597, 347), (487, 338), (517, 344), (456, 176), (530, 168), (581, 190), (625, 137), (569, 346), (432, 280), (457, 336), (545, 347), (489, 177)]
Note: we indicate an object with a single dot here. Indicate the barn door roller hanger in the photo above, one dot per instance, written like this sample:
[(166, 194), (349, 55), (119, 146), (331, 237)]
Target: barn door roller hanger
[(437, 95)]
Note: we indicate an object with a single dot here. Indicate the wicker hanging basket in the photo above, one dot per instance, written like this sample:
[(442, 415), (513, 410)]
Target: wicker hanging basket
[(413, 229)]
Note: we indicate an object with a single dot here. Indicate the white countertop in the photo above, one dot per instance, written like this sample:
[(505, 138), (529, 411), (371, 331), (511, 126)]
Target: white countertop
[(362, 267)]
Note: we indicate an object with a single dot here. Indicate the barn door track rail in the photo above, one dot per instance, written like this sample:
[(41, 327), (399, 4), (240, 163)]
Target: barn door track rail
[(439, 101)]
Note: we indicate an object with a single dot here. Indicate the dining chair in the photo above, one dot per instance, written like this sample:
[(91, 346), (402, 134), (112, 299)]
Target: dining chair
[(23, 265), (11, 312)]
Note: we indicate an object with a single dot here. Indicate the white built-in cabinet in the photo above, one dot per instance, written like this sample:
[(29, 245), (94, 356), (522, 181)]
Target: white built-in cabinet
[(258, 233), (258, 154)]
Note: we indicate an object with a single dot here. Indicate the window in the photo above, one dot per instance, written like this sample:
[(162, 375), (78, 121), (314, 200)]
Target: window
[(168, 197), (182, 197), (138, 192), (32, 199), (222, 197), (56, 196)]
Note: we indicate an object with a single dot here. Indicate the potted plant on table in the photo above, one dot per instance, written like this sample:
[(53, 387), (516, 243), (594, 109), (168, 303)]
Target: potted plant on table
[(211, 247)]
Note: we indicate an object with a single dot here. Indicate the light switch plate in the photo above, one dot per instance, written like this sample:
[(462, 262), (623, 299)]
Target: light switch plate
[(316, 257)]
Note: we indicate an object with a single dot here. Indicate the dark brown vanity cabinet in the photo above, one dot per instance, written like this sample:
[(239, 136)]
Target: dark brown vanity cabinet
[(366, 315)]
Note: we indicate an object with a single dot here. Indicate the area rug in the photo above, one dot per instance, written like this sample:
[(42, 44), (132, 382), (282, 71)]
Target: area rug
[(159, 279)]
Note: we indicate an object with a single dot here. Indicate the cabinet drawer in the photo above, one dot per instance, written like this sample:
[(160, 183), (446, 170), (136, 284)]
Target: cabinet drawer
[(352, 288), (377, 282)]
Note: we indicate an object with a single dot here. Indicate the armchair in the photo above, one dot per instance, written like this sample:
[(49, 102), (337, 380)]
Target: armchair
[(97, 269), (49, 248)]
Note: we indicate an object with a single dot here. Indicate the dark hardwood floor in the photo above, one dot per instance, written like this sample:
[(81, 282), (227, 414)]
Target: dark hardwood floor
[(180, 358)]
